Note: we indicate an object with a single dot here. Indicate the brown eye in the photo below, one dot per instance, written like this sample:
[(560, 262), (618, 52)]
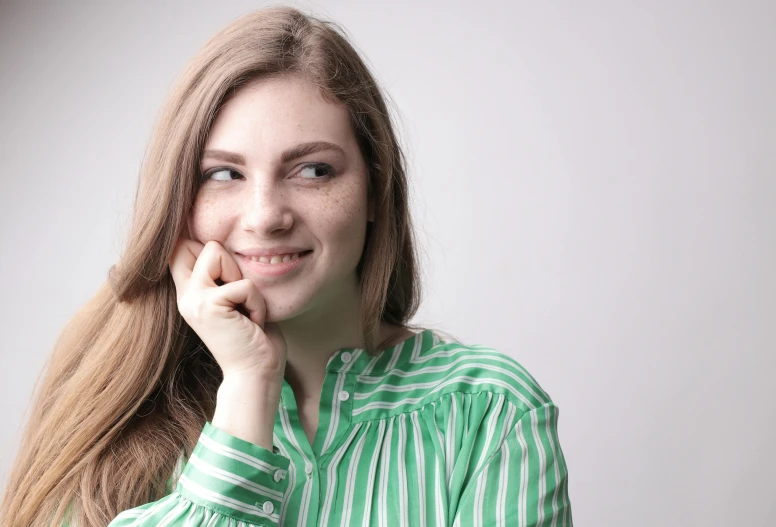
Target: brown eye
[(316, 171), (207, 175)]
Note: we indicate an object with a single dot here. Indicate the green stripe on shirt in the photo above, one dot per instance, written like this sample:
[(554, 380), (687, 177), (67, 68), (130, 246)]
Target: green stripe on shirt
[(427, 433)]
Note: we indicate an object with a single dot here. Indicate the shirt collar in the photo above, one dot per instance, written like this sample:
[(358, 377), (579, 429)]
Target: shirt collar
[(357, 361)]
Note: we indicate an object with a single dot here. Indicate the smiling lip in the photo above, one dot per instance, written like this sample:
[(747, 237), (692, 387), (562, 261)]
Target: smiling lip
[(271, 251), (277, 269)]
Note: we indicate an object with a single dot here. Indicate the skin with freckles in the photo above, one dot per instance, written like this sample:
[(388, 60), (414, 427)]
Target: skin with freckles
[(317, 201), (267, 203)]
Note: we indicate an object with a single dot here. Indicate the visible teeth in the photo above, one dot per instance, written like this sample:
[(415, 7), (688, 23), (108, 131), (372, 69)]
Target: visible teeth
[(278, 258)]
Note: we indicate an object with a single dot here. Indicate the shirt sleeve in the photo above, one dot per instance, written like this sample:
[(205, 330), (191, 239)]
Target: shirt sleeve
[(226, 482), (524, 482)]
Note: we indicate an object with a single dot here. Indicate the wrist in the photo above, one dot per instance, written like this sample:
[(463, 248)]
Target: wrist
[(256, 377), (247, 406), (257, 389)]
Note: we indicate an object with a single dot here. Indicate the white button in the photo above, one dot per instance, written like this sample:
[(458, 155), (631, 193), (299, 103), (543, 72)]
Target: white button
[(343, 396), (278, 475), (346, 356), (268, 507), (308, 468)]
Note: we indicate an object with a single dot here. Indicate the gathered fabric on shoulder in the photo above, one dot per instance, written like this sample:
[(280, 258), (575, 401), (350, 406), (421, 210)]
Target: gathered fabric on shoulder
[(429, 432)]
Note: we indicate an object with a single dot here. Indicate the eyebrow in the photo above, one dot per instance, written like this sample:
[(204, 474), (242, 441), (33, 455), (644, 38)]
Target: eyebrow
[(289, 155)]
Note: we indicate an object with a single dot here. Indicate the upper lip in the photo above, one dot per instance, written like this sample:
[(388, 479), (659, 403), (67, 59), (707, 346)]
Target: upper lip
[(258, 251)]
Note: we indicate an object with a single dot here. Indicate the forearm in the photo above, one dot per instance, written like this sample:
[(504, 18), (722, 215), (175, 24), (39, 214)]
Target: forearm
[(247, 406)]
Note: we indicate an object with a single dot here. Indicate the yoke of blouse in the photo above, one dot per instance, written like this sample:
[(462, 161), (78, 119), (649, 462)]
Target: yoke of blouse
[(429, 432)]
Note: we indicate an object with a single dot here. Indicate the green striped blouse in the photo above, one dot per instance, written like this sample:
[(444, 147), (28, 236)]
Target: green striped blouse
[(430, 432)]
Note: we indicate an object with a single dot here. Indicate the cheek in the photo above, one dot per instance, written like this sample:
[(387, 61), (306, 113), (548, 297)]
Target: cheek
[(209, 220), (343, 216)]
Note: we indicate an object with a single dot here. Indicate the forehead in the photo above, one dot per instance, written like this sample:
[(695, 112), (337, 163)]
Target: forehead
[(275, 112)]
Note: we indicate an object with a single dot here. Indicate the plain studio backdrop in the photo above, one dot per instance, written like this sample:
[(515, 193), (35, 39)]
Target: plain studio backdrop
[(594, 186)]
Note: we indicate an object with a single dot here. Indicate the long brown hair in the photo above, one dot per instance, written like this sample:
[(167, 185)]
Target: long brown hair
[(129, 385)]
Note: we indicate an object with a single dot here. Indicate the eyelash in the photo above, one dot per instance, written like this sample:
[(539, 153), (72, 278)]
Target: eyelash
[(331, 173)]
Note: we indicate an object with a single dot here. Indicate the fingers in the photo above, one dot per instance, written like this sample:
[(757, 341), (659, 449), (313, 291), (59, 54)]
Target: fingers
[(214, 262), (244, 292), (182, 262), (202, 263), (195, 264)]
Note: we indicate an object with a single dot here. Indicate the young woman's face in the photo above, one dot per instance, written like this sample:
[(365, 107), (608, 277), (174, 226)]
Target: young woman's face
[(260, 191)]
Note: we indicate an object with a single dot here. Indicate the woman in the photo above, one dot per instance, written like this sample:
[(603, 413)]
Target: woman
[(249, 361)]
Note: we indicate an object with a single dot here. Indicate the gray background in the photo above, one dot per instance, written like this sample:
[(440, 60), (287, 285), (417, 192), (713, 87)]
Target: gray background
[(593, 183)]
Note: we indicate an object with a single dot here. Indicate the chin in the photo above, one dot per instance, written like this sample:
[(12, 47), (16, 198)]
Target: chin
[(284, 307), (278, 315)]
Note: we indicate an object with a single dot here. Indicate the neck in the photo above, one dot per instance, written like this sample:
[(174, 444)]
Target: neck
[(323, 329)]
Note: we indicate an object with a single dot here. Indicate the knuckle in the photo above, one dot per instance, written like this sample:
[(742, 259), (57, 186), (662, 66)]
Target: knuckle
[(191, 306), (212, 245)]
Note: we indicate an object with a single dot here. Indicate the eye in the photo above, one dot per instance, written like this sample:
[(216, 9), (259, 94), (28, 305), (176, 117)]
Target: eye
[(317, 171), (207, 175)]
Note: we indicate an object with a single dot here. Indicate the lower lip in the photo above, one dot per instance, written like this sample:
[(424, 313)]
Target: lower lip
[(277, 269)]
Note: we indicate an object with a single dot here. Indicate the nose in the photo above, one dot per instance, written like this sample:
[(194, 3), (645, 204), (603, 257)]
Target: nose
[(266, 209)]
